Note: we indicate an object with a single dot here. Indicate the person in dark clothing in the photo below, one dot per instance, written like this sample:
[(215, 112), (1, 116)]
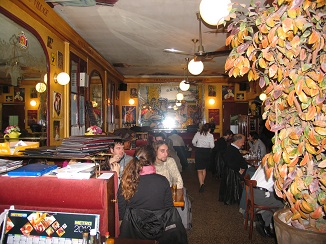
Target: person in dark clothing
[(232, 156), (234, 171), (141, 187), (217, 162)]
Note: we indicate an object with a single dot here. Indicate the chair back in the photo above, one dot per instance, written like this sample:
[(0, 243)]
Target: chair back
[(249, 185)]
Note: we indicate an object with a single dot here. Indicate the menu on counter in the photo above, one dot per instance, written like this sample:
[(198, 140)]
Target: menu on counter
[(23, 224)]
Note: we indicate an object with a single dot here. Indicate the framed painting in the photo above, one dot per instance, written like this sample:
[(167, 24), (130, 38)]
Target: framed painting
[(240, 96), (228, 93), (19, 94), (128, 115), (214, 116), (211, 91)]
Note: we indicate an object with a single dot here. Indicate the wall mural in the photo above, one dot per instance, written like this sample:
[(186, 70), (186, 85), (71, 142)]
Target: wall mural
[(158, 109)]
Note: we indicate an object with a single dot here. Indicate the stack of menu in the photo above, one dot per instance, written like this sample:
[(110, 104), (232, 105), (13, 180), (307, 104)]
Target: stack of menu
[(8, 165), (85, 145)]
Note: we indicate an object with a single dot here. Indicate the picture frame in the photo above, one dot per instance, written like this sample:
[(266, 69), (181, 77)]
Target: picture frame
[(60, 60), (9, 98), (214, 116), (19, 94), (31, 117), (133, 93), (228, 93), (57, 103), (33, 93), (211, 91), (128, 115)]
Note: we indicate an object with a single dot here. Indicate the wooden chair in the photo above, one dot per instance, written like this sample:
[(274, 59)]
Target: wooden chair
[(141, 142), (252, 209)]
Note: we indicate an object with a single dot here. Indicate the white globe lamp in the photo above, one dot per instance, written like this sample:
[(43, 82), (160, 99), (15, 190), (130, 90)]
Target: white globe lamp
[(213, 12), (179, 96), (195, 67), (184, 86)]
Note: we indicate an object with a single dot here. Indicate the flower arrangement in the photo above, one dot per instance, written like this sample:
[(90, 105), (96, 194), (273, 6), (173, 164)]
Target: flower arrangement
[(95, 130), (11, 128)]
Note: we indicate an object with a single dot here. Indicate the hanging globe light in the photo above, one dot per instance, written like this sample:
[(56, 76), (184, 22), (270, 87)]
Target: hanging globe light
[(179, 96), (184, 86), (40, 87), (195, 67), (178, 103), (213, 12)]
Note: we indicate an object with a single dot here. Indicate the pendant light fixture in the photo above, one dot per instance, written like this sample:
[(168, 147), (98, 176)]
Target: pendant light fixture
[(213, 12)]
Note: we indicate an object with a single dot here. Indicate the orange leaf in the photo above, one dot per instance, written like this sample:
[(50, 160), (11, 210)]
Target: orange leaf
[(298, 87), (312, 139), (287, 25), (311, 113), (264, 43), (228, 40), (313, 38), (294, 162), (317, 213), (291, 98)]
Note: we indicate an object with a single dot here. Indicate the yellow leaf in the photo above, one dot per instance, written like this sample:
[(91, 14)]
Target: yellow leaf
[(291, 98), (298, 86), (292, 13), (262, 63), (310, 149), (302, 97), (312, 139), (311, 83), (320, 131), (228, 40)]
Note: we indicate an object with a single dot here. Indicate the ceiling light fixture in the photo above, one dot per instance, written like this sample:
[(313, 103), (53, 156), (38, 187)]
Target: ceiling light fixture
[(213, 12), (40, 87), (62, 78), (179, 96), (195, 67), (184, 86)]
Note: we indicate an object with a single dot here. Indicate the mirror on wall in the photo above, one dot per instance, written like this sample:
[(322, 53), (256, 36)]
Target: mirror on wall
[(96, 98), (23, 73)]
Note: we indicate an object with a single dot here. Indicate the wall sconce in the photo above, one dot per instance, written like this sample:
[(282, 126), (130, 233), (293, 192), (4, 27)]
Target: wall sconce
[(62, 78), (40, 87), (195, 67), (213, 12), (179, 96), (211, 101), (262, 96), (184, 86), (32, 103), (131, 101)]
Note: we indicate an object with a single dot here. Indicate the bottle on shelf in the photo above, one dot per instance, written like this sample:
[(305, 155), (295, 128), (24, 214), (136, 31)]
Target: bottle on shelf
[(92, 238)]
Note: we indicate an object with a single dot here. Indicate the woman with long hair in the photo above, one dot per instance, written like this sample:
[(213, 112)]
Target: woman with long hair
[(141, 187), (204, 142)]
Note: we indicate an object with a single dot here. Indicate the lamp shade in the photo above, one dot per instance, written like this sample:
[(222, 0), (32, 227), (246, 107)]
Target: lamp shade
[(195, 67), (184, 86), (179, 96), (213, 11), (40, 87), (63, 78)]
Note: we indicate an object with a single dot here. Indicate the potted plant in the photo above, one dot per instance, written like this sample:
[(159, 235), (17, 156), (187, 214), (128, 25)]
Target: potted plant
[(282, 46), (12, 131)]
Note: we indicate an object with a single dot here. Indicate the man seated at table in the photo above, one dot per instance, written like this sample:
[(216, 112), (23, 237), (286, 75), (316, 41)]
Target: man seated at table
[(166, 165), (234, 171), (119, 158), (172, 153), (232, 156), (256, 144), (264, 195)]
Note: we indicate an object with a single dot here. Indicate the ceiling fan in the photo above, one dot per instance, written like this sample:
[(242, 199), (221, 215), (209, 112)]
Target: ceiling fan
[(201, 54)]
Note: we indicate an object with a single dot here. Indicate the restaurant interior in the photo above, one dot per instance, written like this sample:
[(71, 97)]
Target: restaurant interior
[(66, 66)]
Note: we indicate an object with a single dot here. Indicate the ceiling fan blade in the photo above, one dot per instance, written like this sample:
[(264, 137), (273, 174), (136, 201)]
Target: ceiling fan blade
[(218, 53), (175, 51)]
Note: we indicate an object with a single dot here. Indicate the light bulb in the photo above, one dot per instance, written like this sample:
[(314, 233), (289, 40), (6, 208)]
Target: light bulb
[(195, 67), (178, 103), (211, 101), (32, 103), (262, 96), (213, 12)]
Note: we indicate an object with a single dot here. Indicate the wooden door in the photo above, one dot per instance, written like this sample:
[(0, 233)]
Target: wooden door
[(232, 108), (13, 109)]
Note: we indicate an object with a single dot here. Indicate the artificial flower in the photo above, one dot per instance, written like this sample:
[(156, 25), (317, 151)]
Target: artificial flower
[(95, 130), (11, 128)]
